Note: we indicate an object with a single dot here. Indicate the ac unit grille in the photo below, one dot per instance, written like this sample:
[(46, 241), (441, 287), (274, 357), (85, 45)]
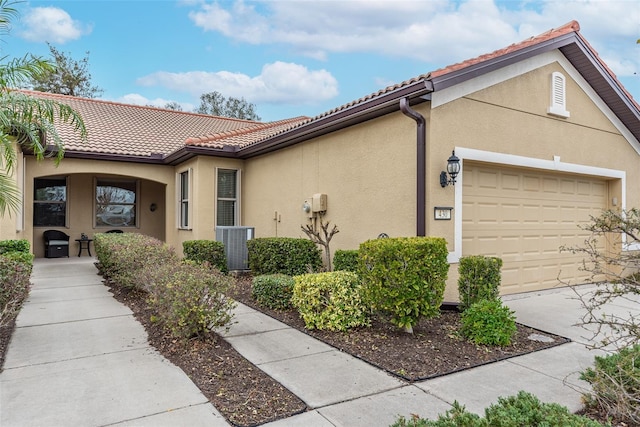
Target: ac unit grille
[(234, 240)]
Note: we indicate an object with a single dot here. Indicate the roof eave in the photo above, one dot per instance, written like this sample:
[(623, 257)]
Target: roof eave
[(375, 107)]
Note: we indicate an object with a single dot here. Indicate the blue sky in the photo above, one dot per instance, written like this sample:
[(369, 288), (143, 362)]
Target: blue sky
[(299, 57)]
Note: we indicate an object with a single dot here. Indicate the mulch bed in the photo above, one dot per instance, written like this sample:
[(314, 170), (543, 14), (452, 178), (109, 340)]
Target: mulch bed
[(435, 348)]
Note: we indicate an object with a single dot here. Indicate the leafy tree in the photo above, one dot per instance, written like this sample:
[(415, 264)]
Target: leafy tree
[(216, 104), (173, 105), (26, 120), (68, 77)]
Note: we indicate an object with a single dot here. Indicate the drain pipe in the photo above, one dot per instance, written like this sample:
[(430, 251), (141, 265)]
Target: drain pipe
[(421, 196)]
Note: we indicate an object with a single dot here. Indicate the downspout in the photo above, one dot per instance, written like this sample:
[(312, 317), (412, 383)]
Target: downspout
[(421, 196)]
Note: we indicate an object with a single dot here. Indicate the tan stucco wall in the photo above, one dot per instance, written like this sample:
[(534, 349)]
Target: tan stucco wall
[(367, 171), (203, 205)]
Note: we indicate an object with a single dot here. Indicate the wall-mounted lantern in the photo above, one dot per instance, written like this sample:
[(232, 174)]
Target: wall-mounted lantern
[(453, 169)]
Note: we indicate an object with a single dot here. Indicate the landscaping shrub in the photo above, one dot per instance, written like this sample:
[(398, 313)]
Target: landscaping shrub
[(488, 322), (283, 255), (188, 297), (404, 276), (346, 260), (191, 301), (615, 382), (15, 272), (524, 409), (21, 245), (210, 251), (106, 247), (273, 291), (479, 278), (123, 257), (331, 300)]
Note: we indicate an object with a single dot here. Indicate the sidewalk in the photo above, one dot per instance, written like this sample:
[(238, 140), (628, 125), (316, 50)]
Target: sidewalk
[(79, 358)]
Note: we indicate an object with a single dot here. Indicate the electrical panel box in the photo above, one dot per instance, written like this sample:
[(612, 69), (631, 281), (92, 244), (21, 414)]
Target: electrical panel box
[(319, 202)]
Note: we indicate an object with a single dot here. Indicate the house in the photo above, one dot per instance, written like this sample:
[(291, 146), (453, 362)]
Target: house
[(545, 134)]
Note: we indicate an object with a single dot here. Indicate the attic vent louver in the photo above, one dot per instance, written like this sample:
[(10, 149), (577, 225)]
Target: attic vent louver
[(558, 105)]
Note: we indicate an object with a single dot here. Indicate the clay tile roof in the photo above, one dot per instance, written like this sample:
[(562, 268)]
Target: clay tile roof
[(570, 27), (245, 136), (133, 130)]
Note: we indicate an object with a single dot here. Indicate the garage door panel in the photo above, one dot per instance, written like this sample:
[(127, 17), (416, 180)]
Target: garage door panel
[(524, 217)]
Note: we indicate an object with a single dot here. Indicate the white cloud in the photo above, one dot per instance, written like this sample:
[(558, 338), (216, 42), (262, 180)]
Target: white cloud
[(51, 24), (137, 99), (279, 82), (439, 31)]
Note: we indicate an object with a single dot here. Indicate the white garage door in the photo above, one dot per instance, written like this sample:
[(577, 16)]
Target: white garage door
[(524, 216)]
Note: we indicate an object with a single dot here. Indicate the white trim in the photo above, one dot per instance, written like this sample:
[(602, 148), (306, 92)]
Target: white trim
[(555, 165), (484, 81)]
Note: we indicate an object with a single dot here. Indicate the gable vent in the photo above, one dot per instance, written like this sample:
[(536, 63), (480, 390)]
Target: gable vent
[(558, 105)]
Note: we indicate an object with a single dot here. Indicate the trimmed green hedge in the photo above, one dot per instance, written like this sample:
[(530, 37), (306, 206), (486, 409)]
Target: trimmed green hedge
[(479, 279), (489, 322), (346, 260), (283, 255), (188, 298), (21, 245), (404, 276), (123, 256), (331, 300), (210, 251), (273, 291)]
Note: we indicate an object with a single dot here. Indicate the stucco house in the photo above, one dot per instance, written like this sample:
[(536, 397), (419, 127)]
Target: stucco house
[(545, 133)]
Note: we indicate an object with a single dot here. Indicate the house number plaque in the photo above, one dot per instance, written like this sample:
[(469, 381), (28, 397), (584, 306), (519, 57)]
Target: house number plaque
[(442, 213)]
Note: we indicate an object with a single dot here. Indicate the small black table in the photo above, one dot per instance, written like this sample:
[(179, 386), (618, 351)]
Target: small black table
[(81, 243)]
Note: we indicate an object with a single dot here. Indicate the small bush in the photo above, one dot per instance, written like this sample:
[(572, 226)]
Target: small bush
[(15, 271), (524, 409), (21, 245), (188, 297), (615, 382), (488, 322), (191, 301), (210, 251), (331, 300), (283, 255), (123, 257), (346, 260), (479, 278), (273, 291), (405, 277)]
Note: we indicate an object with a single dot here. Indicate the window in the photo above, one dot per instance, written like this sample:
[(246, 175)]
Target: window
[(50, 202), (227, 197), (116, 203), (558, 105), (183, 199)]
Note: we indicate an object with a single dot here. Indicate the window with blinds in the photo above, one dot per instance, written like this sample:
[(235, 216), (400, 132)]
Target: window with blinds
[(50, 202), (227, 197)]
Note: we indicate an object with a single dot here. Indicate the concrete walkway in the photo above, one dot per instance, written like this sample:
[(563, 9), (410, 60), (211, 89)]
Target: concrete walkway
[(79, 358)]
